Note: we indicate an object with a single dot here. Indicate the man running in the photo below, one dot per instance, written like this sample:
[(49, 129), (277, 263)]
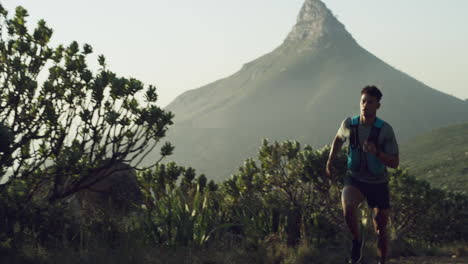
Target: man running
[(372, 148)]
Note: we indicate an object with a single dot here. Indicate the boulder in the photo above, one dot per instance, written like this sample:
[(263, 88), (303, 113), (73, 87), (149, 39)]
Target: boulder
[(114, 192)]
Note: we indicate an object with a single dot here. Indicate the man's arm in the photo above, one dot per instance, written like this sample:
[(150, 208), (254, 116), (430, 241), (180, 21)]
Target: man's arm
[(335, 148), (389, 160)]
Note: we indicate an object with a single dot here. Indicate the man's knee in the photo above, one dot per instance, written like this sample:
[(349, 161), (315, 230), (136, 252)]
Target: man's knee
[(381, 220), (350, 210)]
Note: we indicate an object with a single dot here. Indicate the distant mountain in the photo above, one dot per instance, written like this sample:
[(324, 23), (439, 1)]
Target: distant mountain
[(301, 90), (439, 156)]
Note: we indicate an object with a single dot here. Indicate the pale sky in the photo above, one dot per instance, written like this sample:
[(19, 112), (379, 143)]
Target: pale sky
[(185, 44)]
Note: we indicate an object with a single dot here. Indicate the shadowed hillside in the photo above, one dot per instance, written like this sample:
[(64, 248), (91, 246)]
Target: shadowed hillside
[(439, 156)]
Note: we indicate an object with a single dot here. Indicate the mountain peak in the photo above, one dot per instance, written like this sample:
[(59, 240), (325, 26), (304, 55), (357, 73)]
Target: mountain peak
[(316, 23)]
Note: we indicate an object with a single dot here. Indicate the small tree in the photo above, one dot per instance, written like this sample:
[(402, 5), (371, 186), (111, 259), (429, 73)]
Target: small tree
[(79, 122), (287, 190), (425, 214)]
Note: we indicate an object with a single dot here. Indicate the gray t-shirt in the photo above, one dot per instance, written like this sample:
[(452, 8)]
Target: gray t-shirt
[(386, 143)]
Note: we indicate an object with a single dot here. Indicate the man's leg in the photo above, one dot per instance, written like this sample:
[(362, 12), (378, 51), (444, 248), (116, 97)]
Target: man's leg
[(380, 225), (351, 197)]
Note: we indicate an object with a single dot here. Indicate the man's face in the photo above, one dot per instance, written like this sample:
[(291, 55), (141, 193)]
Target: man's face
[(369, 105)]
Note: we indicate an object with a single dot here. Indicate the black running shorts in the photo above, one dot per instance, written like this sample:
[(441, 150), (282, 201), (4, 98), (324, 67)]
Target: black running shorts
[(377, 195)]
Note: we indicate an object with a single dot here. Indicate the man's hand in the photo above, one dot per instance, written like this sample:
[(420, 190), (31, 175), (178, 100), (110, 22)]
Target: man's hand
[(370, 147), (388, 160)]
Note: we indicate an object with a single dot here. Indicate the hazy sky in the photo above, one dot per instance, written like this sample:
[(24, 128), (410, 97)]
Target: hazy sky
[(185, 44)]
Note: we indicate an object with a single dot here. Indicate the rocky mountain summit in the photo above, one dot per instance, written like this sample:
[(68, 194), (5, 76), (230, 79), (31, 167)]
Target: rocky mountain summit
[(315, 24)]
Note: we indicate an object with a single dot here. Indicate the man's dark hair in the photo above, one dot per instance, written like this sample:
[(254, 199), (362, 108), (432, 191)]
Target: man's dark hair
[(372, 91)]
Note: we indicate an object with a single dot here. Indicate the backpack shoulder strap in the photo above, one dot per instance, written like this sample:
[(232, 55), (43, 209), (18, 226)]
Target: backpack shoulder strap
[(355, 121), (354, 133), (375, 131), (378, 122)]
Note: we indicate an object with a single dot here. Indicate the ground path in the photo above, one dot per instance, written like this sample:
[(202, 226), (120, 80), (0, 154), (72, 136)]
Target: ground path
[(430, 260)]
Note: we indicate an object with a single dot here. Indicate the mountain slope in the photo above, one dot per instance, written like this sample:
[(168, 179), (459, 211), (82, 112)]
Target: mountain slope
[(301, 90), (439, 156)]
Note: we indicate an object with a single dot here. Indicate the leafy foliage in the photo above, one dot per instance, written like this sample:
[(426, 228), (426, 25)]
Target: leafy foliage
[(179, 214), (57, 134), (287, 190), (426, 214), (79, 121)]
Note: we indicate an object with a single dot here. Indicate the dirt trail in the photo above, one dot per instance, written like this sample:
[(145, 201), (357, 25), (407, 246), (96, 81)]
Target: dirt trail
[(430, 260)]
